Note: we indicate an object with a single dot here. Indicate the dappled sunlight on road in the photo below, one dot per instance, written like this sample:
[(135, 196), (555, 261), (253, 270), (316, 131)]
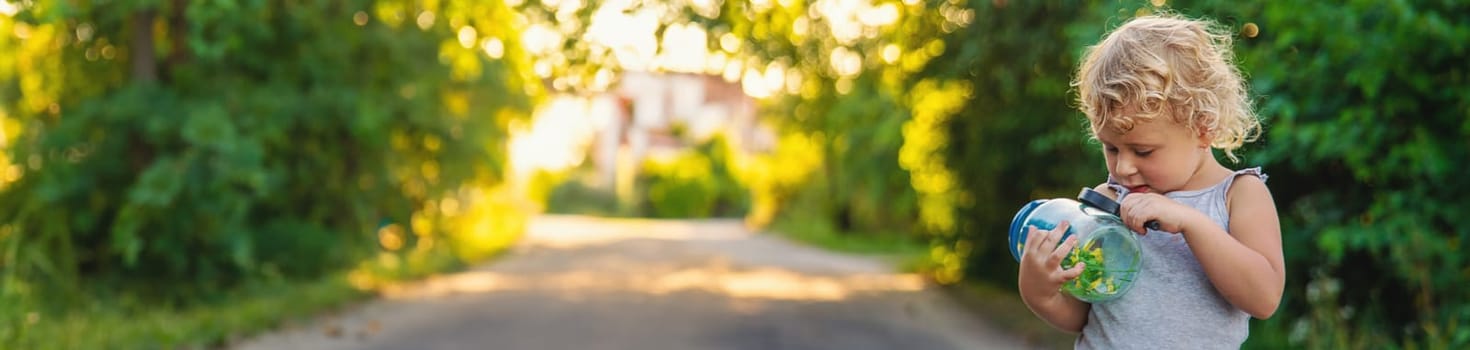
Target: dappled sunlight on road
[(646, 265), (576, 282), (573, 232), (776, 284)]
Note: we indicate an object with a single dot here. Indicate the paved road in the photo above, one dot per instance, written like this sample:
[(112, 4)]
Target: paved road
[(594, 283)]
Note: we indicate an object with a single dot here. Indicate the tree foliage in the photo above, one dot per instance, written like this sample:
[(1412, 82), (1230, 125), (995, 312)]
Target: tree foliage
[(178, 145), (843, 69), (1016, 136)]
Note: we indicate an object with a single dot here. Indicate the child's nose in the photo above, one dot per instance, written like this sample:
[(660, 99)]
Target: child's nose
[(1124, 166)]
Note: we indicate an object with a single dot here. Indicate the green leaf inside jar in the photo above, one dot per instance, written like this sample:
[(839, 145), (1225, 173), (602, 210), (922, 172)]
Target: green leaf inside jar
[(1095, 282)]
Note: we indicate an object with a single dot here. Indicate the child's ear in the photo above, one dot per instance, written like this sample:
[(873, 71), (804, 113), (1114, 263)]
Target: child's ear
[(1205, 137)]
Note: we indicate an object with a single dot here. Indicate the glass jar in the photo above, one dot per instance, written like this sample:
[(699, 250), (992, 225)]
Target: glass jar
[(1111, 252)]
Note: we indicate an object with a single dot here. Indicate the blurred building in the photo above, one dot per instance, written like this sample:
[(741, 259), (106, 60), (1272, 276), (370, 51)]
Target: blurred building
[(662, 113), (643, 115)]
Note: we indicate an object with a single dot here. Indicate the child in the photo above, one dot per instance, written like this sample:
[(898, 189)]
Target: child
[(1161, 94)]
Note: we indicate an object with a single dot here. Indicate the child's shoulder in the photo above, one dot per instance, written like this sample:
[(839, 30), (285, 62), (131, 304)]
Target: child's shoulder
[(1248, 188)]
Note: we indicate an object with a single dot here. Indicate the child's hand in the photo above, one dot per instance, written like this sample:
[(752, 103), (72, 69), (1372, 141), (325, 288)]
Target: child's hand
[(1138, 209), (1041, 272)]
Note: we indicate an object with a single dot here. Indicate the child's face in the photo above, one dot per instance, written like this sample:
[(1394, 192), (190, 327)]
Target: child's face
[(1157, 156)]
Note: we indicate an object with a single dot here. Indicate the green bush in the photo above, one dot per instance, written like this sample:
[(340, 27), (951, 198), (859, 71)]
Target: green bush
[(179, 147), (577, 197), (681, 188), (575, 191), (696, 183)]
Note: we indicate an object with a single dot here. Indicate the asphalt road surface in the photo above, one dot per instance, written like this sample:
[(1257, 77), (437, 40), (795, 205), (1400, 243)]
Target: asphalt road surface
[(594, 283)]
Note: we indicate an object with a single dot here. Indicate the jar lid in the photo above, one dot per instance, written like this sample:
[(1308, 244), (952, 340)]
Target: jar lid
[(1098, 200), (1018, 227)]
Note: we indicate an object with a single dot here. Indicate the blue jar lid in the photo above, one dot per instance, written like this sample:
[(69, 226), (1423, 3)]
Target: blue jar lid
[(1018, 227)]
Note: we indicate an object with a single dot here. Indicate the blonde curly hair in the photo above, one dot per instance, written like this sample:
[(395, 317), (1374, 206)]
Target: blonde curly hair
[(1168, 65)]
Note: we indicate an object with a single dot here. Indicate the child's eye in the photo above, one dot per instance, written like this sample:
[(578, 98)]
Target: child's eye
[(1143, 153), (1110, 150)]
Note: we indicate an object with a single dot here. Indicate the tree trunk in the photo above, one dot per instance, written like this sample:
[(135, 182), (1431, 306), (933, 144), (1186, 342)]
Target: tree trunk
[(145, 63), (178, 33)]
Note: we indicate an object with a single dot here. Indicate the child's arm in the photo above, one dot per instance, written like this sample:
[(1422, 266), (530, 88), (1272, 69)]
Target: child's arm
[(1245, 264), (1042, 275)]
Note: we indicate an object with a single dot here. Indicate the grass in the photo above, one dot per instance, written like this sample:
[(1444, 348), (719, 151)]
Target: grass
[(576, 196), (907, 253), (116, 320), (127, 323)]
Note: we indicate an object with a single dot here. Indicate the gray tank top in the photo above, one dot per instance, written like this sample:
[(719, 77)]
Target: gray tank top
[(1172, 304)]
